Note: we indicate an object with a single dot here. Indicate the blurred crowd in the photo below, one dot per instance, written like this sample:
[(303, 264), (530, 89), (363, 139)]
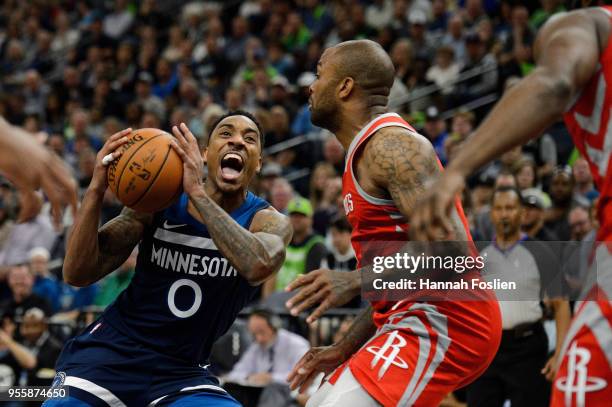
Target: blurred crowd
[(74, 72)]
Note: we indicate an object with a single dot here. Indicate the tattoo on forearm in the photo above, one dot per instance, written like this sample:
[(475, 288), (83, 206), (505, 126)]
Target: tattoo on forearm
[(117, 239), (245, 251), (360, 331)]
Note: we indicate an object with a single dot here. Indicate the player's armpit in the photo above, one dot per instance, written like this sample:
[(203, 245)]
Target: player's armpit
[(405, 164)]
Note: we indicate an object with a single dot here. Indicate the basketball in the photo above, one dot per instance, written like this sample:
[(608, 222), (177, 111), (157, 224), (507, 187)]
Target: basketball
[(148, 176)]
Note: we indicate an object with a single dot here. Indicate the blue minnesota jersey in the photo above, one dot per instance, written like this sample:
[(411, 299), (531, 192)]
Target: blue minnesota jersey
[(184, 294)]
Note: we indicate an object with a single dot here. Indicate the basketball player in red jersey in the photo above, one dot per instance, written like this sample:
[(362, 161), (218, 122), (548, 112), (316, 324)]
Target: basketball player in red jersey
[(573, 80), (397, 353)]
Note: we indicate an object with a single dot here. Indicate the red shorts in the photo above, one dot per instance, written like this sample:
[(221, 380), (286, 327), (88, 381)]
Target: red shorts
[(584, 377), (423, 351)]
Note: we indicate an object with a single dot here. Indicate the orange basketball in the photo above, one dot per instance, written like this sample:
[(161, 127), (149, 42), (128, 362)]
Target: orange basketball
[(148, 176)]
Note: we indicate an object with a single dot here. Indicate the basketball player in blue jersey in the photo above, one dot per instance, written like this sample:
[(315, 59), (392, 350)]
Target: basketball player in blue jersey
[(199, 264)]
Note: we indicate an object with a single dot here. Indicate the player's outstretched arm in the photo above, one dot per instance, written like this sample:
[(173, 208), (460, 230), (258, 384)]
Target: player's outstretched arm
[(91, 253), (30, 166), (567, 54), (256, 253), (327, 358)]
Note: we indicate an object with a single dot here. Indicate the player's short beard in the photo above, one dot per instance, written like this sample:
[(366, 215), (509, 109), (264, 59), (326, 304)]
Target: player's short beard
[(325, 114)]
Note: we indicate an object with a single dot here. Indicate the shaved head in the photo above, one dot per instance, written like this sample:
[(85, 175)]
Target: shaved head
[(367, 63), (355, 73)]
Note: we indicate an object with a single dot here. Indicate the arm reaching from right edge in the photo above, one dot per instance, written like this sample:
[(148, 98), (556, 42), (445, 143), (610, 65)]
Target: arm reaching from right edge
[(91, 253), (327, 358), (567, 53)]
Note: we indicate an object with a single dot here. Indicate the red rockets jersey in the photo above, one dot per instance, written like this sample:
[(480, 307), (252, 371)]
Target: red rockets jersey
[(374, 219), (589, 120)]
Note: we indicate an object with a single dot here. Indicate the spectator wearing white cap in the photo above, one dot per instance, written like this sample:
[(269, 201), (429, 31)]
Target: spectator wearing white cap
[(37, 339), (302, 123), (535, 204), (421, 40)]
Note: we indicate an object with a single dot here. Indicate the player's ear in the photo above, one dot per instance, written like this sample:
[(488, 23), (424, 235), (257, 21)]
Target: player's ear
[(204, 153), (259, 164), (346, 86)]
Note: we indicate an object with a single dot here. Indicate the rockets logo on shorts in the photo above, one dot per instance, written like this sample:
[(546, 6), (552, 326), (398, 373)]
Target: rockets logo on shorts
[(577, 382), (393, 344)]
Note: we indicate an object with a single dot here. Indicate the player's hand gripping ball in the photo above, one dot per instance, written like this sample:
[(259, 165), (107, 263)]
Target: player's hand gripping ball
[(148, 176)]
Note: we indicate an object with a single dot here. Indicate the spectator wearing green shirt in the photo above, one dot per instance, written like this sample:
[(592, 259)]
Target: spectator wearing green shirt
[(116, 282), (306, 250)]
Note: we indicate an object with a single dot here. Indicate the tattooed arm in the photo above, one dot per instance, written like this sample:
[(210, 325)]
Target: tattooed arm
[(402, 165), (256, 253), (91, 253), (327, 358)]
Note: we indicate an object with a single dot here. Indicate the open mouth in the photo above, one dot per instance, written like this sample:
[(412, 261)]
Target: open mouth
[(232, 165)]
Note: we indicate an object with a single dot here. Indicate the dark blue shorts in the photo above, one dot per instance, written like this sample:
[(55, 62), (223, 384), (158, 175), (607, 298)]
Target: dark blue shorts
[(103, 367)]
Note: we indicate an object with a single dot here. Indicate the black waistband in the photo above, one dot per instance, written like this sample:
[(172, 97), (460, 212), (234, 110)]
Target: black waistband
[(523, 330)]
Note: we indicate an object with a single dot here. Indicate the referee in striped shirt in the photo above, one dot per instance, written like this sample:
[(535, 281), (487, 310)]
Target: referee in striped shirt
[(522, 369)]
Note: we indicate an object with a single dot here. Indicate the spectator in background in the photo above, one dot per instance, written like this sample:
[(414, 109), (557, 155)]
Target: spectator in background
[(421, 41), (379, 13), (269, 173), (36, 92), (333, 152), (45, 283), (266, 362), (454, 38), (579, 222), (273, 354), (281, 194), (439, 21), (236, 44), (340, 253), (473, 13), (304, 252), (561, 194), (114, 283), (37, 339), (477, 59), (535, 205), (21, 281), (23, 237), (445, 70), (526, 173), (321, 173), (435, 131), (167, 79), (6, 223), (117, 23), (14, 357), (516, 57), (547, 9), (301, 123), (328, 206), (584, 186)]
